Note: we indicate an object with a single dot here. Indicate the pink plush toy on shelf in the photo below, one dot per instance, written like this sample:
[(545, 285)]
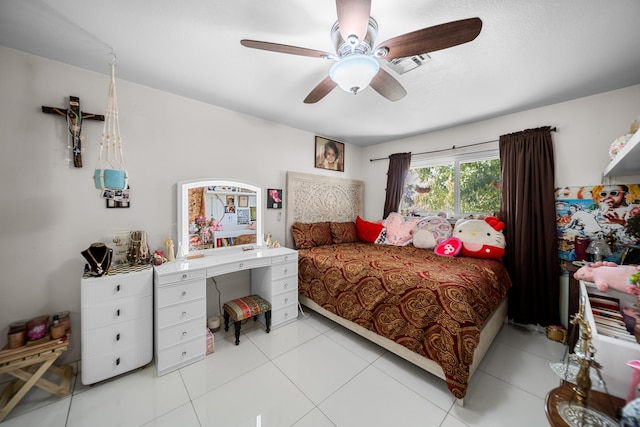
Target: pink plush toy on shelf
[(607, 275)]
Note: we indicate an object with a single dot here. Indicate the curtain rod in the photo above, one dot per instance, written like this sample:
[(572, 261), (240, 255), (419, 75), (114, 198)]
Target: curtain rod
[(453, 147)]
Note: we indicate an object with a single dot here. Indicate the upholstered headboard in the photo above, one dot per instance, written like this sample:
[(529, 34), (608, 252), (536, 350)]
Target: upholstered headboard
[(315, 198)]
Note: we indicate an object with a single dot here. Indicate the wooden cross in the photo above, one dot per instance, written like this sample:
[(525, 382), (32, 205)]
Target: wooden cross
[(74, 118)]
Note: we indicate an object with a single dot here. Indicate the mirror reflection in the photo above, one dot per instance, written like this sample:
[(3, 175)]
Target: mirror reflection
[(217, 213)]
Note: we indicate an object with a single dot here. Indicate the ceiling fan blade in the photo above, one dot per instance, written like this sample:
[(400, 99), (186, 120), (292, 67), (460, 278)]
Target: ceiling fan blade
[(433, 38), (353, 17), (320, 91), (283, 48), (387, 86)]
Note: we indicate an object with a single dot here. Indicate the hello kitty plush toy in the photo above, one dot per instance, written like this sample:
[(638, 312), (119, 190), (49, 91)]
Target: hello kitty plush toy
[(475, 238)]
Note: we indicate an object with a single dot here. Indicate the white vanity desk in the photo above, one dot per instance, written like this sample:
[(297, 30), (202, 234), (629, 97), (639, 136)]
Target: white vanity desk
[(180, 308)]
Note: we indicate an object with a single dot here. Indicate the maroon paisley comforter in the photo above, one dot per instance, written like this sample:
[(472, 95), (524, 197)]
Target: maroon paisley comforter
[(433, 305)]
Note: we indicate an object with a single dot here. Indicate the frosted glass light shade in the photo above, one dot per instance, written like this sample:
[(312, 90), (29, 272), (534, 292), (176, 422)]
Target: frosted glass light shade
[(353, 73)]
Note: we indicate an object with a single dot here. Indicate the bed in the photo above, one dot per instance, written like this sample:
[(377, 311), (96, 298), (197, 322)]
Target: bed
[(440, 313)]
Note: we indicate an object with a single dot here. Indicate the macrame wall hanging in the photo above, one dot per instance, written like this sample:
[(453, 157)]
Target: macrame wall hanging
[(110, 175)]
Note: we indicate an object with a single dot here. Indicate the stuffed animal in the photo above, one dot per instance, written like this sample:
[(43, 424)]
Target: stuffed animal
[(479, 238), (607, 275)]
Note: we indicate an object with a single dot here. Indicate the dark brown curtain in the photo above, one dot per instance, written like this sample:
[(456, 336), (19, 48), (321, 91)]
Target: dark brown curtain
[(398, 168), (528, 210)]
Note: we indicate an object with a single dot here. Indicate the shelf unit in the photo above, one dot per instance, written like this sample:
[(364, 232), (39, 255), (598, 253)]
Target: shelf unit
[(627, 161)]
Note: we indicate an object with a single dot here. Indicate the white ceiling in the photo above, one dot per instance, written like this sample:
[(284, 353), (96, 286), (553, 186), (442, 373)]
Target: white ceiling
[(528, 54)]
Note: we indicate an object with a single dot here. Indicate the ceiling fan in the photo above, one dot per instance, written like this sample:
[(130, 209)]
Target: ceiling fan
[(356, 59)]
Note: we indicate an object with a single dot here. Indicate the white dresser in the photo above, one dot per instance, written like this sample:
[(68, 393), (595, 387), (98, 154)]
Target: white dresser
[(181, 306), (116, 322)]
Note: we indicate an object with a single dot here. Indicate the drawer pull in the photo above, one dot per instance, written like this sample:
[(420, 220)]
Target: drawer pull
[(118, 288), (286, 300), (184, 334), (286, 285), (184, 353), (118, 312), (286, 257), (286, 270), (286, 314), (118, 337), (117, 361), (184, 276), (184, 293), (241, 265), (184, 313)]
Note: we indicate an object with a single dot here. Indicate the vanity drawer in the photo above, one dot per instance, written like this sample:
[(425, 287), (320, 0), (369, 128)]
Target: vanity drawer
[(280, 300), (171, 358), (180, 276), (175, 314), (284, 315), (284, 285), (285, 258), (98, 290), (182, 332), (119, 312), (284, 270), (237, 266), (182, 292)]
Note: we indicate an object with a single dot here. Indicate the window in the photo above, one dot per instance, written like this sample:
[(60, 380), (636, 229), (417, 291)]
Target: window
[(458, 185)]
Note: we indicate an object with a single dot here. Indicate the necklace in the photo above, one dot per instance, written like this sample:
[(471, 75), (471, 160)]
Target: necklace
[(99, 269)]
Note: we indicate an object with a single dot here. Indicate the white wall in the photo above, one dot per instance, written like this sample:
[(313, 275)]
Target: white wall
[(51, 210), (586, 128)]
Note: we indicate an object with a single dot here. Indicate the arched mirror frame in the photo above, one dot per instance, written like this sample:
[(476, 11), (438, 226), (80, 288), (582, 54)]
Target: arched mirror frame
[(183, 188)]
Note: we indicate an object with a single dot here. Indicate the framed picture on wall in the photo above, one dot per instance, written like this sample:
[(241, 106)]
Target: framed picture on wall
[(274, 198), (329, 154)]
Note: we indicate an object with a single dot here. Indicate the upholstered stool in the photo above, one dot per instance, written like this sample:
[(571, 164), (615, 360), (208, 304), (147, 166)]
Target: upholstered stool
[(244, 308)]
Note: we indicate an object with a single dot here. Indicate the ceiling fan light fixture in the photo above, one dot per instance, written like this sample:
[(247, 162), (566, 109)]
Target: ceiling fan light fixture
[(353, 73)]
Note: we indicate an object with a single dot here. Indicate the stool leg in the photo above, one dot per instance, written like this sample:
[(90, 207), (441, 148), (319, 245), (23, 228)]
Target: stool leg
[(226, 321), (237, 326), (267, 318)]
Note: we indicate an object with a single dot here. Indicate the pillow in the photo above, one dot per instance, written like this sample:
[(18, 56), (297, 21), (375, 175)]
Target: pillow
[(399, 231), (368, 231), (307, 236), (343, 232), (431, 231)]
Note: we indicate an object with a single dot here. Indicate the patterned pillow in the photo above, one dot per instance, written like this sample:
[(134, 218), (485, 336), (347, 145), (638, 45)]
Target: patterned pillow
[(431, 231), (368, 231), (343, 232), (306, 236)]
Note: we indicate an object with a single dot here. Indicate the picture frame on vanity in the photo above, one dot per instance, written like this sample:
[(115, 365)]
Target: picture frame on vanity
[(329, 154), (274, 198)]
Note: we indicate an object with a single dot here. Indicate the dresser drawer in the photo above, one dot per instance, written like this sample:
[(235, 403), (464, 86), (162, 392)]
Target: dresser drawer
[(99, 367), (285, 258), (181, 354), (286, 298), (181, 292), (116, 312), (284, 270), (180, 276), (185, 312), (99, 290), (115, 338), (182, 332)]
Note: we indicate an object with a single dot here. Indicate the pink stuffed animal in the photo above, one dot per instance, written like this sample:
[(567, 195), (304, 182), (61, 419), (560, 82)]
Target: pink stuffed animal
[(606, 275)]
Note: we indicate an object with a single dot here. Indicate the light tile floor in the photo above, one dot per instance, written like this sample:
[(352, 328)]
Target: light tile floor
[(311, 373)]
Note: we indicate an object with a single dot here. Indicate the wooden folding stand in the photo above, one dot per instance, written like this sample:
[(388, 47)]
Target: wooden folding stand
[(28, 364)]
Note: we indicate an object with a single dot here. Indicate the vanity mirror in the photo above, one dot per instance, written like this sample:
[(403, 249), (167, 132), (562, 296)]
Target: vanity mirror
[(216, 213)]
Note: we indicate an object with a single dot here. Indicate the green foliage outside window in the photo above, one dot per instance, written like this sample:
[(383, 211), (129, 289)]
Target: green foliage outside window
[(433, 188)]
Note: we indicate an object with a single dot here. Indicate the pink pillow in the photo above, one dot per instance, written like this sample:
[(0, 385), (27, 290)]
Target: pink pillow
[(399, 231), (368, 231), (450, 247)]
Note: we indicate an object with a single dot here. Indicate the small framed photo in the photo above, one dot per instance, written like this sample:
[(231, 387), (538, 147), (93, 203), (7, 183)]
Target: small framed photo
[(243, 201), (274, 198), (329, 154), (117, 198)]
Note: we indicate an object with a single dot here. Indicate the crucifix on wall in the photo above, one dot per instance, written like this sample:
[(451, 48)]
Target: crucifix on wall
[(74, 117)]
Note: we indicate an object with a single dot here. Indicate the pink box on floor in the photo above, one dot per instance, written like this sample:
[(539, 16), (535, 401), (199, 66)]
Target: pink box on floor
[(209, 342)]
